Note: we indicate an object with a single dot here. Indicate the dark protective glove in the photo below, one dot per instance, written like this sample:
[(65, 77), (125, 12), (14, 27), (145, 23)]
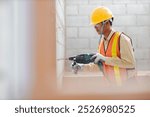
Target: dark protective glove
[(98, 57)]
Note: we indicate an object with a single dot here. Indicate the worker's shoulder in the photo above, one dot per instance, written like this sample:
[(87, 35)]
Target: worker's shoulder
[(125, 38)]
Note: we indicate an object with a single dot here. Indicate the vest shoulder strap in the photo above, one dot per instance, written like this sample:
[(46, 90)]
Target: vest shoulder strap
[(129, 38)]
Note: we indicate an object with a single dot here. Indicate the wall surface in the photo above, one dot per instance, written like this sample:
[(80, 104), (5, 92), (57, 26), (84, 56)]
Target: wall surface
[(131, 17), (60, 38)]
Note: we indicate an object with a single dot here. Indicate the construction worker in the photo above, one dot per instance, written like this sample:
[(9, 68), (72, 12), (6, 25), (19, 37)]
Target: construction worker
[(115, 49)]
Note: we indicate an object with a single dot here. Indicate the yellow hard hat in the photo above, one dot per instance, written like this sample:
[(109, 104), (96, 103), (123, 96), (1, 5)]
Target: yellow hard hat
[(100, 14)]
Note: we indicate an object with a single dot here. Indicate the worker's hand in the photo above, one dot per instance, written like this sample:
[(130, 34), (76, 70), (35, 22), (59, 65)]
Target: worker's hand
[(76, 67), (98, 57)]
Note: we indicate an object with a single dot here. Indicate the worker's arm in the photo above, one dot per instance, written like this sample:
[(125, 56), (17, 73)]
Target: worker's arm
[(127, 59)]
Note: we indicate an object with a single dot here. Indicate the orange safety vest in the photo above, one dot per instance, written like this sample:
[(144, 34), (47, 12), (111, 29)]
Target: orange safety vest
[(114, 74)]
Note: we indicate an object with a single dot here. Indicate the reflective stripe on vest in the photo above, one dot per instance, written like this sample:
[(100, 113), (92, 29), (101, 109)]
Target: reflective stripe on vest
[(114, 54)]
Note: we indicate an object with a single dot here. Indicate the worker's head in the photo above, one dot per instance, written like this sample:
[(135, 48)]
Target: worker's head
[(101, 18)]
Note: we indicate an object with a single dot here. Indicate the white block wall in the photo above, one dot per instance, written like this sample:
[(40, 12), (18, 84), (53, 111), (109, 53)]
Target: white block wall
[(60, 37), (131, 17)]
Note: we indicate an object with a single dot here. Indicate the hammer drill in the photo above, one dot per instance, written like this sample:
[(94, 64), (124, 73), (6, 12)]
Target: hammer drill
[(85, 59)]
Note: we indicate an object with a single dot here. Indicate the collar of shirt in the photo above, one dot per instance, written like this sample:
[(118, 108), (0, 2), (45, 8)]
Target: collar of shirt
[(109, 36)]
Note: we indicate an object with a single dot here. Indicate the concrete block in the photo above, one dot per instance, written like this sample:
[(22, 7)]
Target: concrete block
[(71, 10), (144, 42), (117, 9), (76, 2), (143, 20), (124, 1), (143, 29), (86, 9), (140, 36), (132, 30), (97, 2), (94, 43), (143, 37), (72, 32), (71, 52), (138, 9), (100, 2), (142, 53), (128, 20), (87, 32), (84, 51), (143, 1), (77, 43), (120, 28), (77, 21), (143, 64)]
